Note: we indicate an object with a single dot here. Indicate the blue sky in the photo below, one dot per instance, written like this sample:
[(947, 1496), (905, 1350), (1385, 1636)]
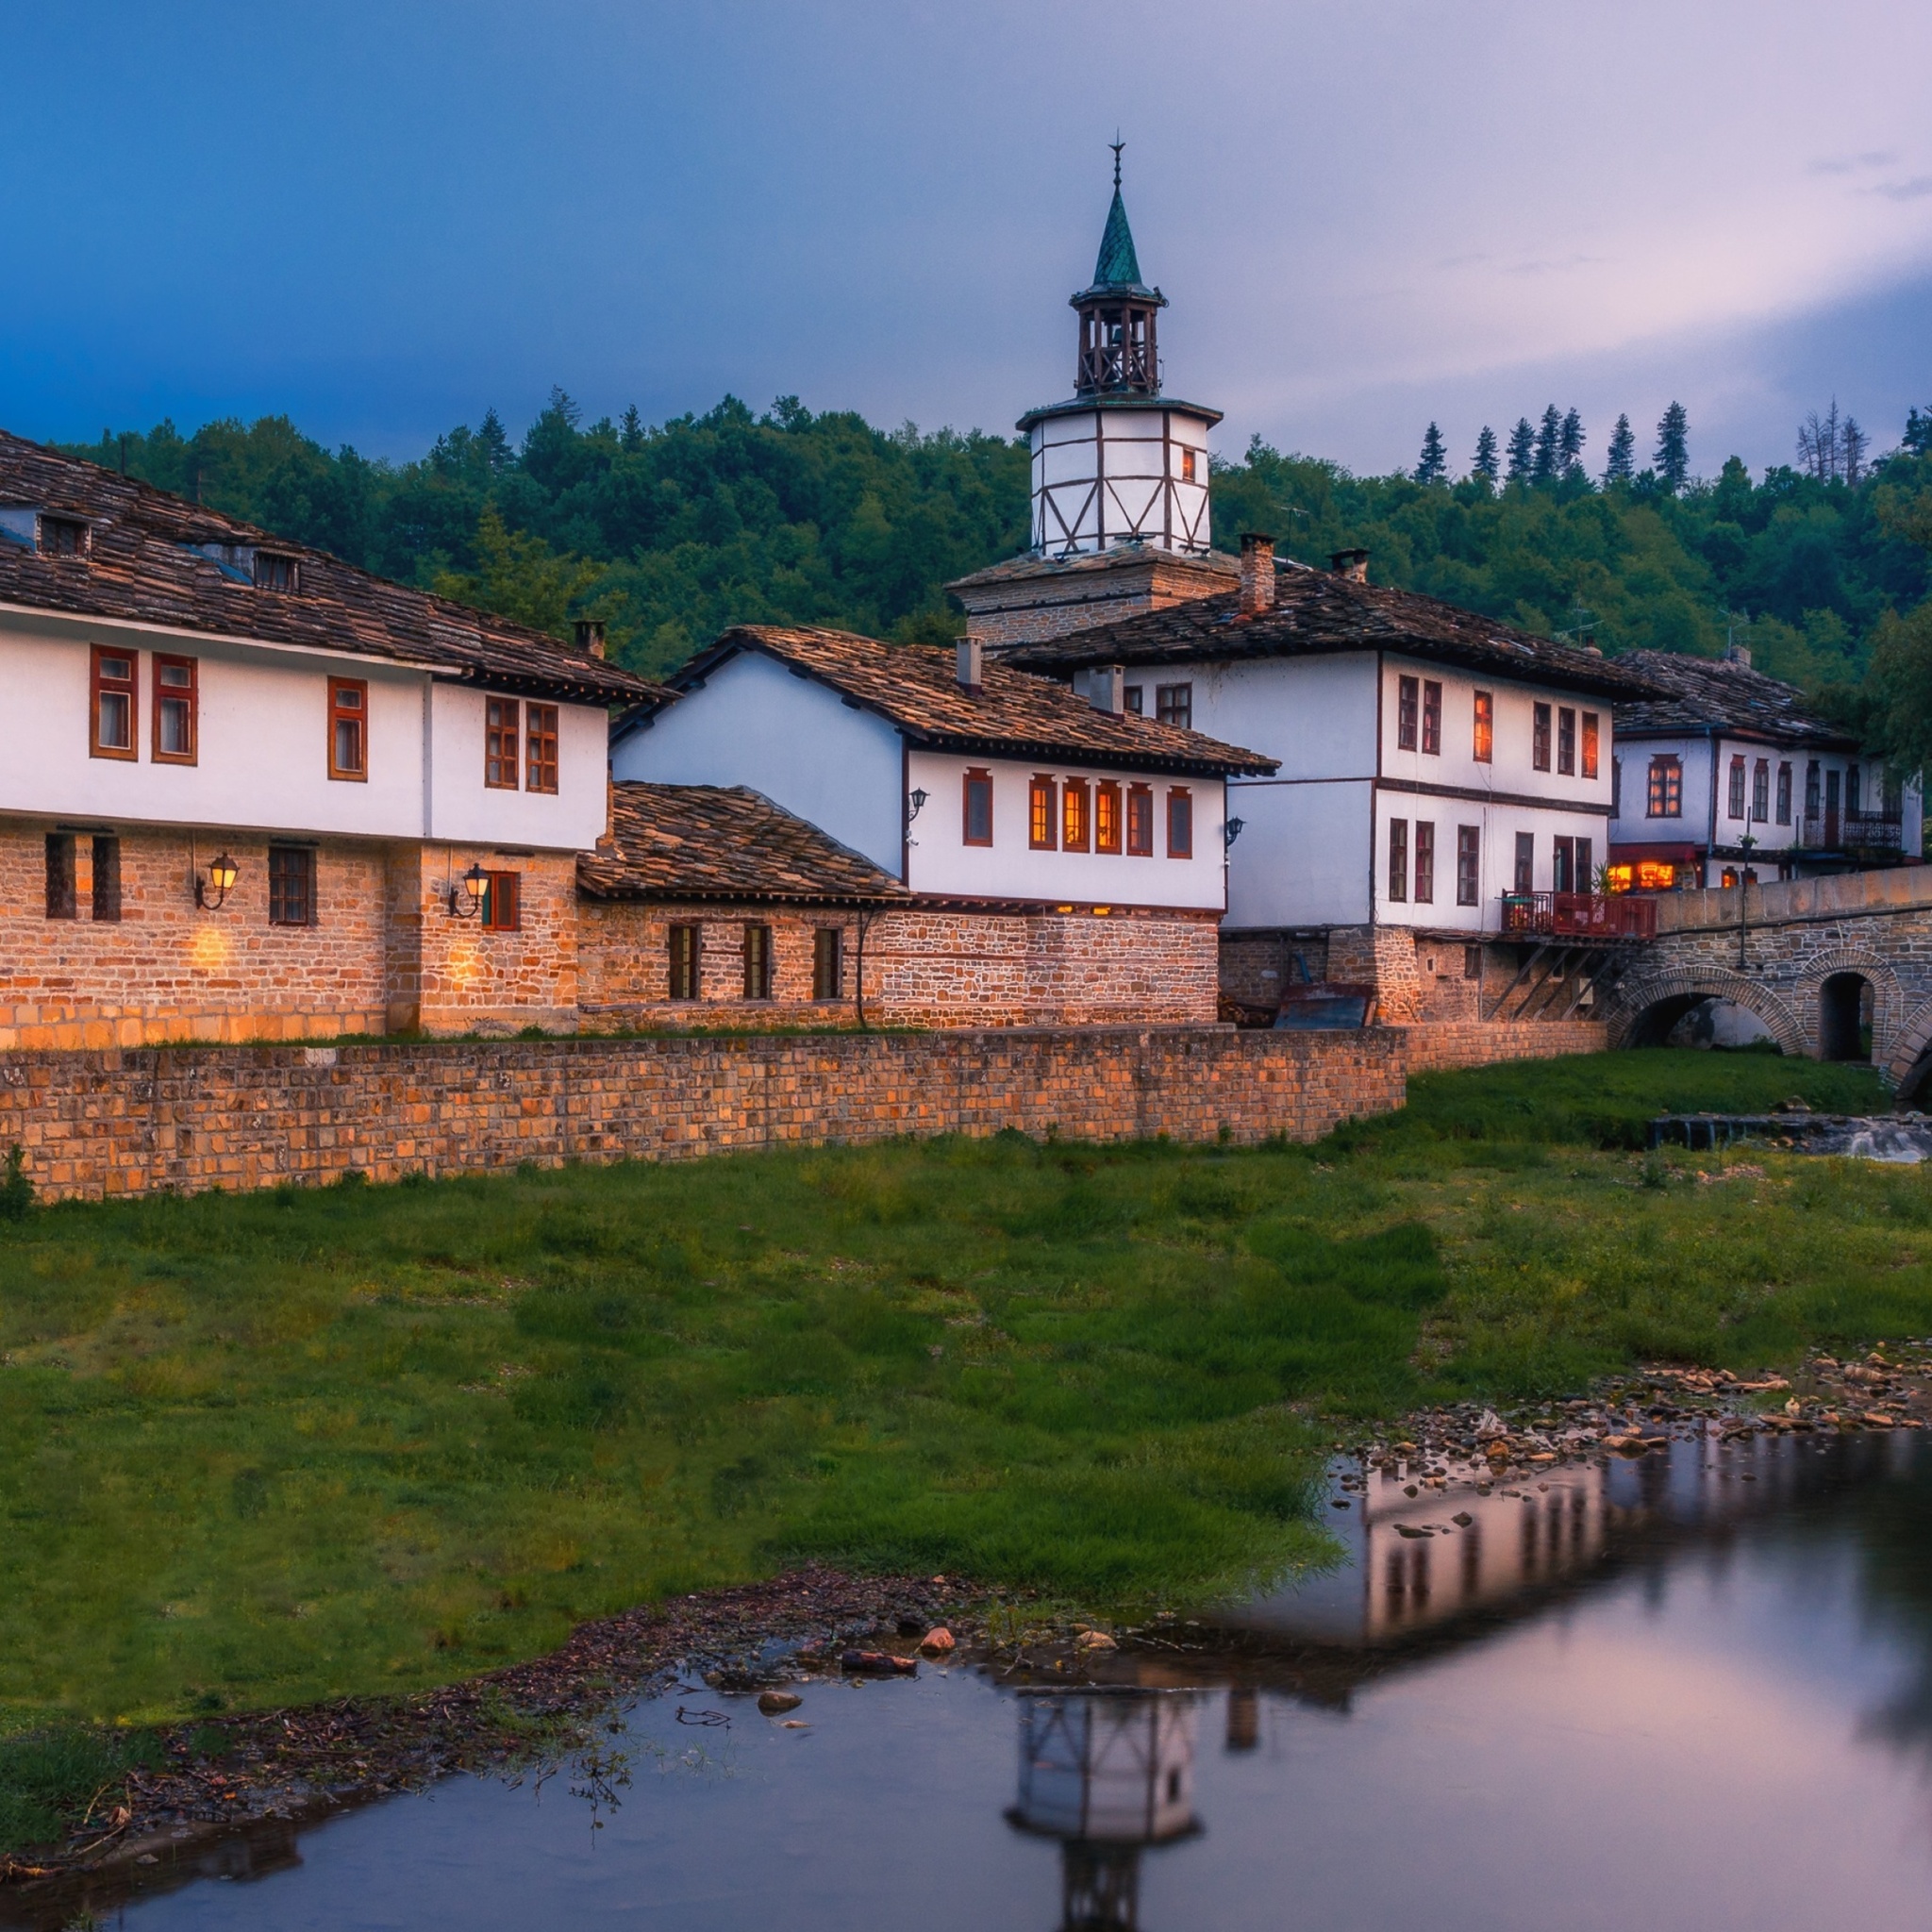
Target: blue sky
[(384, 219)]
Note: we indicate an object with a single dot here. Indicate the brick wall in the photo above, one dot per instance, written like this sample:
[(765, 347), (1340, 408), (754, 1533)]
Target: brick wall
[(126, 1122), (1061, 598), (472, 980), (1434, 1045), (923, 966)]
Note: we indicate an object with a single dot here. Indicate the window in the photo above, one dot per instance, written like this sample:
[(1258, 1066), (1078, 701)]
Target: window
[(64, 537), (1130, 698), (500, 743), (1180, 822), (1107, 816), (60, 875), (682, 942), (1616, 786), (1485, 745), (275, 571), (1540, 738), (1784, 794), (1761, 790), (1811, 781), (107, 908), (176, 700), (1140, 821), (1190, 466), (979, 808), (827, 963), (112, 704), (1852, 791), (1526, 863), (348, 728), (1077, 826), (1665, 799), (1424, 862), (1407, 692), (503, 903), (1472, 962), (291, 885), (1563, 871), (1566, 741), (1398, 860), (757, 962), (1432, 717), (1173, 704), (1737, 786), (539, 748), (1591, 740), (1040, 814), (1468, 865)]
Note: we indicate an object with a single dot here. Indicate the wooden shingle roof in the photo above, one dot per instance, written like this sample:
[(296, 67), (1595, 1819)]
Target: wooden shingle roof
[(1014, 714), (1704, 693), (145, 564), (712, 842), (1319, 613)]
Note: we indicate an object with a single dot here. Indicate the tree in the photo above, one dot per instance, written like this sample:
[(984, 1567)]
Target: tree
[(1917, 441), (1486, 464), (1434, 465), (521, 578), (1820, 450), (1522, 450), (1672, 456), (1549, 436), (1852, 445), (1570, 444), (1622, 464)]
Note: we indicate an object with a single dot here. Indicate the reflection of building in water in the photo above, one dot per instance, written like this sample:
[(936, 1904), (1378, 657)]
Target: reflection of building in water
[(1244, 1718), (1109, 1773)]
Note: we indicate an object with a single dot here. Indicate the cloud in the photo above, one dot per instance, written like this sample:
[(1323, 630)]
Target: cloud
[(1852, 164), (1917, 188)]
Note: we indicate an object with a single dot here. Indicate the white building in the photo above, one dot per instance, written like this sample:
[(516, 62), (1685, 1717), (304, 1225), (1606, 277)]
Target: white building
[(1722, 754)]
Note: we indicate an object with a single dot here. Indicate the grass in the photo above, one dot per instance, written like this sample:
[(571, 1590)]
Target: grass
[(315, 1442)]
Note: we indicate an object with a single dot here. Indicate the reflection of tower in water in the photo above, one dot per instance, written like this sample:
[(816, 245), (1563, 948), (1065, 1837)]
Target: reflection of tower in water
[(1109, 1773)]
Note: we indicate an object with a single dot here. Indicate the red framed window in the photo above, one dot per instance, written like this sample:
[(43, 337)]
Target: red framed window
[(503, 903), (1736, 801), (1141, 820), (1484, 747), (1592, 741), (1180, 821), (539, 748), (1407, 697), (1432, 717), (348, 728), (1469, 863), (1540, 738), (1077, 816), (1173, 704), (1566, 741), (176, 709), (113, 703), (1190, 466), (976, 809), (1107, 816), (1398, 860), (1040, 828), (1424, 862), (1666, 790), (500, 736)]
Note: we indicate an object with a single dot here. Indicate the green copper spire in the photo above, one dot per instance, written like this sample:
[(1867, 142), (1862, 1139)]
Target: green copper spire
[(1119, 267)]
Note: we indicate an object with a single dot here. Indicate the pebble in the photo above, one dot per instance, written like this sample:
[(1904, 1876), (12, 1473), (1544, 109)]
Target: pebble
[(776, 1703)]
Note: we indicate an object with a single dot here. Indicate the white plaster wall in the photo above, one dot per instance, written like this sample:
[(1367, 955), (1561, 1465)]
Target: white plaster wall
[(463, 807), (754, 723), (940, 860), (1136, 453), (1303, 855), (1317, 715), (1498, 825)]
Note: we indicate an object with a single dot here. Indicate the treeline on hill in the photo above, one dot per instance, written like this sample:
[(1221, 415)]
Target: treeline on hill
[(670, 531)]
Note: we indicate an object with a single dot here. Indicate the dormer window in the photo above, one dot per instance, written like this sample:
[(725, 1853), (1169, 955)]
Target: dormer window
[(62, 537), (274, 569)]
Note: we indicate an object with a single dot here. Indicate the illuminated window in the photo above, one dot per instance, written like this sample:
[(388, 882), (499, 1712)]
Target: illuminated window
[(500, 735), (979, 808), (539, 748), (1620, 877), (1485, 745), (1040, 814), (1408, 695), (176, 705), (1540, 738), (1432, 717), (1107, 816), (1140, 821), (1398, 860), (1180, 822), (1591, 741), (1665, 796), (112, 705), (1076, 820), (348, 728), (1189, 461)]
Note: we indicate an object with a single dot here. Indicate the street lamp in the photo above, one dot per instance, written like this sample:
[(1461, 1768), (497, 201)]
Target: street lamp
[(475, 884), (209, 892)]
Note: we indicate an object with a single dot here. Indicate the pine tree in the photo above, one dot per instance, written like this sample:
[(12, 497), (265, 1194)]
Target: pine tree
[(1622, 465), (1852, 444), (1486, 462), (630, 433), (1434, 465), (1570, 444), (1673, 458), (1522, 450), (1548, 435), (1918, 435), (497, 452)]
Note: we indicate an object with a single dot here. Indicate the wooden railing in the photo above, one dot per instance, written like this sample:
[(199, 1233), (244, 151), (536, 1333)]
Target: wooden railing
[(1580, 915)]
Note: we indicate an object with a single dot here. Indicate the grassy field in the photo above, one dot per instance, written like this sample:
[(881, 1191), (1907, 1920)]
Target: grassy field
[(358, 1439)]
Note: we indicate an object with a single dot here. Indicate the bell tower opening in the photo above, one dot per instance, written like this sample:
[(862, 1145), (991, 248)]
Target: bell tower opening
[(1119, 355)]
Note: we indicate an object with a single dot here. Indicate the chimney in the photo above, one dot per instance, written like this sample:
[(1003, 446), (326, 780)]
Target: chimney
[(1258, 575), (1738, 654), (972, 673), (1106, 688), (1351, 564), (590, 635)]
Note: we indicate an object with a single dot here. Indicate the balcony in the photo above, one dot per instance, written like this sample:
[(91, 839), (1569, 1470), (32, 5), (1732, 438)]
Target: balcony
[(1851, 831), (1615, 920)]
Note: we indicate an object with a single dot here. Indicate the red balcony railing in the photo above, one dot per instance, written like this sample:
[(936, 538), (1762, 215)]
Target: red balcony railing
[(1579, 915)]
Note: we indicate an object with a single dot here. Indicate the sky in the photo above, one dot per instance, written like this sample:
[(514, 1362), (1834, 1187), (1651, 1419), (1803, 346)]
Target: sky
[(382, 220)]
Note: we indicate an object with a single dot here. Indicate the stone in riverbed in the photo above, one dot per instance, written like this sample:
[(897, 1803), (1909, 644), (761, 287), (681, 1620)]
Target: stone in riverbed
[(776, 1703)]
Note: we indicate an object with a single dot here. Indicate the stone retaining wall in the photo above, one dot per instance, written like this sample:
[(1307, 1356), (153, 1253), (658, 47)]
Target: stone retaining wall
[(1483, 1042)]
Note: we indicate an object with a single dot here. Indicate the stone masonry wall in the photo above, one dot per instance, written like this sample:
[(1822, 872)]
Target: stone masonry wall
[(129, 1122), (1438, 1044)]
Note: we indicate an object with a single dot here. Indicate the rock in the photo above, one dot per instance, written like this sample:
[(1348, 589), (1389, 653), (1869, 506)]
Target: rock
[(1462, 1519), (1410, 1490), (937, 1640), (776, 1703), (1095, 1639), (1875, 1420), (1339, 1503), (1406, 1529), (878, 1663)]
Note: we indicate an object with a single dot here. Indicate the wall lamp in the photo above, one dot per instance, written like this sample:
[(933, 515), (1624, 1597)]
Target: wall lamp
[(1232, 830), (209, 892), (915, 806), (474, 885)]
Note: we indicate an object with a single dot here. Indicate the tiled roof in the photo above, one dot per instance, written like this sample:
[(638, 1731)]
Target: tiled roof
[(1014, 713), (710, 841), (142, 568), (1697, 693), (1032, 567), (1318, 612)]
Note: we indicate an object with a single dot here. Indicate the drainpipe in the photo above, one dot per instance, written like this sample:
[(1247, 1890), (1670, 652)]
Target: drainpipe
[(1710, 837)]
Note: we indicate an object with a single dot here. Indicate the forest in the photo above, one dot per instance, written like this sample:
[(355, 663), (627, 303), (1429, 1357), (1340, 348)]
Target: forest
[(669, 531)]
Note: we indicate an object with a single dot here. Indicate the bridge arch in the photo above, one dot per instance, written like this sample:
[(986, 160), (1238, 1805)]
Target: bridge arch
[(1646, 1005), (1909, 1065), (1823, 984)]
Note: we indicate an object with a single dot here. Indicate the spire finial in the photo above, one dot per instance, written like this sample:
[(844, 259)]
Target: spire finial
[(1116, 143)]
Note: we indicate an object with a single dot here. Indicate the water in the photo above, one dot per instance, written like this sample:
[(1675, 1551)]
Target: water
[(1689, 1690)]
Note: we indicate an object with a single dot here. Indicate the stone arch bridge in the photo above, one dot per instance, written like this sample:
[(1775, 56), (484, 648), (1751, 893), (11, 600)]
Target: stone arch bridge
[(1835, 968)]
